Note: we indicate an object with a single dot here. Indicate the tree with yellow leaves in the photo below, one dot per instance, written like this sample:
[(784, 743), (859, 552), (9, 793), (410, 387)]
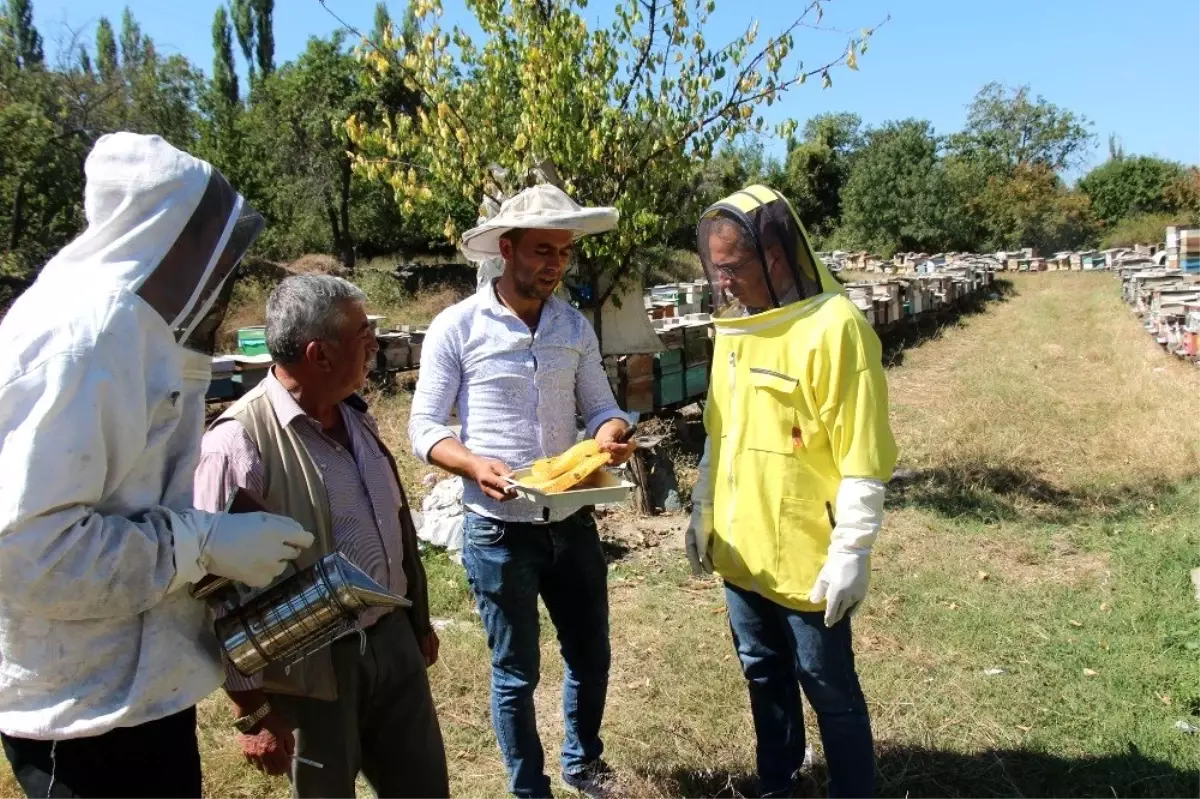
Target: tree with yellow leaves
[(622, 112)]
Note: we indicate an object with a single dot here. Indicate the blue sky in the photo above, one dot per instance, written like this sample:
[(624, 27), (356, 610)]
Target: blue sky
[(1133, 69)]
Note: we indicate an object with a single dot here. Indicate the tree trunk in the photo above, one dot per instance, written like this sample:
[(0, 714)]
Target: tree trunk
[(597, 305), (347, 242), (334, 222), (18, 216), (642, 497)]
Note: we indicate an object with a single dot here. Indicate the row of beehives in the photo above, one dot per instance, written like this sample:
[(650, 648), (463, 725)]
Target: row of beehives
[(234, 375), (1019, 261), (884, 302), (908, 298), (679, 373), (1168, 302)]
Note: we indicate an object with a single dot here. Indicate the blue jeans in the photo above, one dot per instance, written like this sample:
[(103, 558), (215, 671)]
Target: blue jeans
[(777, 647), (508, 565)]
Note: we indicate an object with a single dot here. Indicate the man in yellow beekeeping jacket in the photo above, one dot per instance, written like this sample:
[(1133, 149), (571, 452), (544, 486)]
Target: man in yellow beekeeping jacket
[(790, 496)]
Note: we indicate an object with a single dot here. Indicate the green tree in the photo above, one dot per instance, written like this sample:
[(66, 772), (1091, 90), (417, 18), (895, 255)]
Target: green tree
[(132, 48), (225, 81), (1183, 194), (264, 28), (106, 50), (383, 23), (733, 167), (295, 151), (1131, 186), (1143, 229), (818, 166), (50, 118), (1008, 126), (898, 196), (25, 41), (1032, 207), (621, 113), (243, 24)]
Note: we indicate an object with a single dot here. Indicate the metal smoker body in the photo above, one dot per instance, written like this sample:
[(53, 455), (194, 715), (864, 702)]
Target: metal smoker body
[(307, 611)]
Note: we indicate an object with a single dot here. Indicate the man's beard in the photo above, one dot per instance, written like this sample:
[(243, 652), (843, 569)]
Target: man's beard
[(532, 289)]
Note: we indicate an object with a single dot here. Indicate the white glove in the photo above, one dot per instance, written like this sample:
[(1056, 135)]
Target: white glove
[(699, 531), (249, 548), (843, 580)]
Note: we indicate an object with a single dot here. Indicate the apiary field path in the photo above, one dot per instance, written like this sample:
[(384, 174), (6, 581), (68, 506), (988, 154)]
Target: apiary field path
[(1031, 628)]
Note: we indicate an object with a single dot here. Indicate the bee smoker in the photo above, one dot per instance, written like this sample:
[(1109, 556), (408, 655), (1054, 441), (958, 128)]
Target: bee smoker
[(294, 618)]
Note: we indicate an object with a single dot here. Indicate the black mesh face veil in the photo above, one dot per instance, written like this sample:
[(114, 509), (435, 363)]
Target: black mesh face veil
[(755, 255), (200, 333)]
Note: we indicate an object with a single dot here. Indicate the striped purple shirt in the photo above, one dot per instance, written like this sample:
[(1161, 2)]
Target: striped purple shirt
[(364, 498)]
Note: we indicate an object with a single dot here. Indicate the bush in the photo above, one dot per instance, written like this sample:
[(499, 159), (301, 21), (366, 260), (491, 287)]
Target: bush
[(1142, 229)]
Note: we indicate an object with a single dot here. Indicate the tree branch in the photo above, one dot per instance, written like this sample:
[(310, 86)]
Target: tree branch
[(424, 93), (642, 59), (735, 102)]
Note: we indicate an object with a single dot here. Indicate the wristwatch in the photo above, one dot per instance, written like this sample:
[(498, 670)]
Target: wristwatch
[(249, 721)]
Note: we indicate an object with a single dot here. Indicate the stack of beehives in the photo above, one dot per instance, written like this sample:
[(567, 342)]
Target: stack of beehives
[(1189, 251)]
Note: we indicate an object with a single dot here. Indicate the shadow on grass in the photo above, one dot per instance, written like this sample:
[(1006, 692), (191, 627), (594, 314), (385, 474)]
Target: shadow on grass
[(933, 326), (613, 550), (915, 771), (991, 493)]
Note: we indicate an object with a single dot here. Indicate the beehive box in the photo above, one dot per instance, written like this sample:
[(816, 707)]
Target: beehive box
[(696, 346), (637, 383), (881, 312), (252, 340), (394, 351), (668, 389), (668, 362), (695, 381), (251, 375)]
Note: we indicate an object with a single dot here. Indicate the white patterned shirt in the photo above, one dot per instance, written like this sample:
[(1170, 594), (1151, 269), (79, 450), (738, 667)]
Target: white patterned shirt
[(518, 392)]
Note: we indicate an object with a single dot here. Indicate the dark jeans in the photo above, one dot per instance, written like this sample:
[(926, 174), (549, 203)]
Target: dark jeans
[(508, 566), (383, 722), (777, 647), (158, 758)]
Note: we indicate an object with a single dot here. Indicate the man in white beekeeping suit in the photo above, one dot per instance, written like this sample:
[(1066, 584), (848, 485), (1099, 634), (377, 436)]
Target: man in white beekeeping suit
[(104, 364)]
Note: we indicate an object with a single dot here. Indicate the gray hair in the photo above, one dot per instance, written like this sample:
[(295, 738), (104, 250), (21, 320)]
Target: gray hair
[(306, 308)]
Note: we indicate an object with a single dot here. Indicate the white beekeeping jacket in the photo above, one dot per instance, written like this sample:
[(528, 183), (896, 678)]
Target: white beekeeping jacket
[(101, 413)]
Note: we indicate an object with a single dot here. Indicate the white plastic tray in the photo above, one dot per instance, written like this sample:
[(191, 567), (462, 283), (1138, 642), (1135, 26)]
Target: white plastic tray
[(602, 487)]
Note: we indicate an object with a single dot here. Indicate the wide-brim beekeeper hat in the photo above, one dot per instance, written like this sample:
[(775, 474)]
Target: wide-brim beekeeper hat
[(541, 207)]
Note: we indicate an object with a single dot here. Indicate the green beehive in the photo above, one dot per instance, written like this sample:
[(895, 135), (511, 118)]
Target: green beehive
[(252, 340), (668, 389), (668, 361), (696, 381)]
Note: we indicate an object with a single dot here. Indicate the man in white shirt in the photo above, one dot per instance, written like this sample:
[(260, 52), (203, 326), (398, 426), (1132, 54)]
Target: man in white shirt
[(521, 364)]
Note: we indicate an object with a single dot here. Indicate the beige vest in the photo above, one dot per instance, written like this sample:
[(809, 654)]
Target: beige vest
[(292, 486)]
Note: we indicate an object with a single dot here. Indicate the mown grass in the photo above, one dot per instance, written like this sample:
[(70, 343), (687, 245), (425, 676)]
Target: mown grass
[(1044, 522)]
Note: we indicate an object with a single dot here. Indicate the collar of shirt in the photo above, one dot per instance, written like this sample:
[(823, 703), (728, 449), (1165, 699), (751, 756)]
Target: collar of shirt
[(287, 410), (495, 307)]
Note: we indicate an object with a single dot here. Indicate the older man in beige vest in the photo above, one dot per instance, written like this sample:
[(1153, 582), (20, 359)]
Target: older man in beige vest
[(303, 441)]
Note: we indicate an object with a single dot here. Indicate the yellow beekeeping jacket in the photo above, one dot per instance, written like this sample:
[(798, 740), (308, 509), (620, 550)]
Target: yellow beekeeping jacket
[(797, 401)]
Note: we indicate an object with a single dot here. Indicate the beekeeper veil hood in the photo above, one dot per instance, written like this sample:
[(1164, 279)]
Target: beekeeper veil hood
[(166, 226), (756, 254)]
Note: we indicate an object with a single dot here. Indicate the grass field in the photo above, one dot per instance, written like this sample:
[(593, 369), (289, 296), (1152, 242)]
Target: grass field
[(1043, 523)]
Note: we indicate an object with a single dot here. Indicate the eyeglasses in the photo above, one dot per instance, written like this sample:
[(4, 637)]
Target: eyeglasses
[(732, 270)]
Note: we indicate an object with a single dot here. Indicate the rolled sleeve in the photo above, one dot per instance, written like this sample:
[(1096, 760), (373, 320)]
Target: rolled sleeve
[(593, 393), (437, 390)]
